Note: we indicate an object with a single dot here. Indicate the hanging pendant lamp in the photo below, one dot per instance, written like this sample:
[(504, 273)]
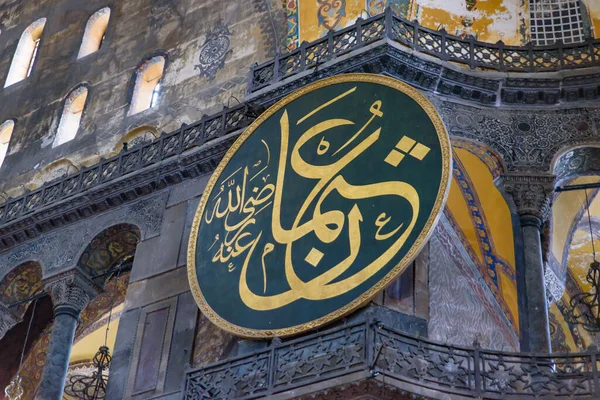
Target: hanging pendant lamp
[(14, 390), (585, 306), (93, 387)]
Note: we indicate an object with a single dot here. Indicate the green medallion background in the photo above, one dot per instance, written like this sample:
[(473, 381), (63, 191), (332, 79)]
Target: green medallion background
[(216, 285)]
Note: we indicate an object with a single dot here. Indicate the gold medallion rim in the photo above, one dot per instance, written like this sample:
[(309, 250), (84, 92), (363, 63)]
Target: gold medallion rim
[(416, 247)]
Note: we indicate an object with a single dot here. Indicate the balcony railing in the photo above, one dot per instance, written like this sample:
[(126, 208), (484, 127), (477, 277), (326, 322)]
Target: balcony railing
[(126, 162), (421, 363), (439, 44)]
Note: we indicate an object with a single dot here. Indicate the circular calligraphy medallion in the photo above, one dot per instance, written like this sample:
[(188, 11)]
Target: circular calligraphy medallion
[(320, 204)]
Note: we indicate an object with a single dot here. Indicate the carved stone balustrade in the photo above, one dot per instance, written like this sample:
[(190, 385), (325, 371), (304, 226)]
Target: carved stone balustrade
[(439, 44), (374, 353)]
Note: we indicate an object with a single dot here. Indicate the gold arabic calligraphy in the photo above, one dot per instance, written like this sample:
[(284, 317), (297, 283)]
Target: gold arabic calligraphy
[(237, 205)]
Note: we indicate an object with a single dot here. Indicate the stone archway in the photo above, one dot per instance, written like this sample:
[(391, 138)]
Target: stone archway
[(107, 250), (569, 243)]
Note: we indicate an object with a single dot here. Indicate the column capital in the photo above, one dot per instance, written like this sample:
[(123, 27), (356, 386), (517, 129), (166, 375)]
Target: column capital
[(70, 291), (7, 320), (532, 194)]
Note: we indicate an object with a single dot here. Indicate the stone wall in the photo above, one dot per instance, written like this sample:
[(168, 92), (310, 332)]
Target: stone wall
[(209, 47)]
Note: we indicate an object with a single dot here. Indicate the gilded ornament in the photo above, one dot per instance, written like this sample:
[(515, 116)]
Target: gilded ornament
[(320, 204)]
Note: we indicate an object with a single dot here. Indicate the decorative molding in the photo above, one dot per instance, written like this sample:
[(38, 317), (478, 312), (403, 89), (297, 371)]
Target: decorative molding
[(71, 291), (532, 194), (448, 80)]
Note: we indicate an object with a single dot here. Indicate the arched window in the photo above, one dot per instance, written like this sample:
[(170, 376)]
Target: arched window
[(24, 57), (6, 130), (71, 116), (146, 91), (94, 32)]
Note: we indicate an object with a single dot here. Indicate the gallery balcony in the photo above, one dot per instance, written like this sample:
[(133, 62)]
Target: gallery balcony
[(414, 38), (370, 359)]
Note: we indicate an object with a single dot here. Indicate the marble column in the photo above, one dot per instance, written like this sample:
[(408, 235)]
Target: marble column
[(70, 293), (532, 195), (7, 320)]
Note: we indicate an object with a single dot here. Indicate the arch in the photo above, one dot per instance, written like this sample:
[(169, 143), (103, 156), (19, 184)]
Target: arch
[(570, 245), (6, 130), (55, 170), (146, 88), (488, 156), (107, 248), (593, 12), (576, 161), (478, 213), (578, 165), (71, 115), (12, 343), (102, 253), (575, 259), (17, 287), (95, 29), (92, 318), (26, 52), (137, 136), (19, 284)]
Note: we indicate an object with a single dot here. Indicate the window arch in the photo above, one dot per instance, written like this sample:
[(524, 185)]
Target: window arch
[(146, 90), (93, 35), (6, 130), (71, 115), (24, 57)]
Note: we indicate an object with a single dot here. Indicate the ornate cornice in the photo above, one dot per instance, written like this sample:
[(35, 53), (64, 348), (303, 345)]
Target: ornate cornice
[(7, 320), (532, 195), (71, 292)]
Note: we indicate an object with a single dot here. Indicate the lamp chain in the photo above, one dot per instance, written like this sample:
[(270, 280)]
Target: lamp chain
[(587, 204), (27, 336)]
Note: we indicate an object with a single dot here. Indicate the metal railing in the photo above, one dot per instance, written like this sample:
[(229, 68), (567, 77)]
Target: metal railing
[(417, 362), (128, 161), (437, 43), (440, 44)]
